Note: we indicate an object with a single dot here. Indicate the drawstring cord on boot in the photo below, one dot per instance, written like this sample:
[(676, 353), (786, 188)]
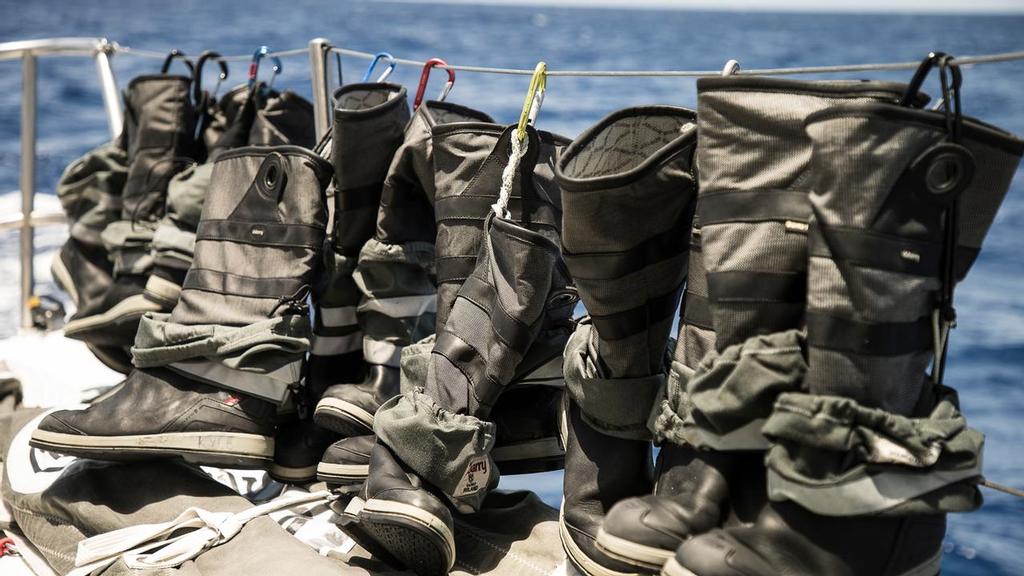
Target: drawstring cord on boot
[(295, 304)]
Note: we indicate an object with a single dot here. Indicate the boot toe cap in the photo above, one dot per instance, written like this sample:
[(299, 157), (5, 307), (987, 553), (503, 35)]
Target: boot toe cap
[(354, 450), (641, 520), (62, 422), (719, 554)]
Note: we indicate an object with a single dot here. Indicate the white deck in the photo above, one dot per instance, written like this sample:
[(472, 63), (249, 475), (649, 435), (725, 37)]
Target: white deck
[(54, 370)]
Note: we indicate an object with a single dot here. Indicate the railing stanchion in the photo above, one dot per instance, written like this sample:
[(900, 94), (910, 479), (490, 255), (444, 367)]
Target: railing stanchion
[(108, 87), (27, 180), (319, 50)]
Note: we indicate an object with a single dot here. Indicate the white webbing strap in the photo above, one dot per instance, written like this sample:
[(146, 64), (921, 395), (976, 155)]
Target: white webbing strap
[(149, 546)]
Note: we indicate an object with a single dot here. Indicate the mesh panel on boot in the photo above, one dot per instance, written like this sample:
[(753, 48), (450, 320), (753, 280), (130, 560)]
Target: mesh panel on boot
[(634, 166), (246, 263), (865, 192), (754, 179)]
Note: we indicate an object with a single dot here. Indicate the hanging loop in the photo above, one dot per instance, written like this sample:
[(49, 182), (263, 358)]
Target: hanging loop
[(177, 55), (425, 76), (534, 99), (254, 65), (373, 64)]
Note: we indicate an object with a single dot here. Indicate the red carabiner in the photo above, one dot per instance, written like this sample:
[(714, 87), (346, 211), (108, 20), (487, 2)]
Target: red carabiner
[(425, 76), (6, 546)]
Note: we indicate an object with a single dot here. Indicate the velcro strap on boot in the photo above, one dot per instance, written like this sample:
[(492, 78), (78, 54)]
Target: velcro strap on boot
[(262, 359), (731, 393), (450, 451), (673, 406), (837, 458), (617, 407)]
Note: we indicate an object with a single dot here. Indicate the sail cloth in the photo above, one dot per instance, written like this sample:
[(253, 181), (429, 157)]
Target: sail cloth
[(58, 502)]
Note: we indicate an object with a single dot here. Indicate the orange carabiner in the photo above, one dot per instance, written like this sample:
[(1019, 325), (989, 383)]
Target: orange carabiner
[(425, 76)]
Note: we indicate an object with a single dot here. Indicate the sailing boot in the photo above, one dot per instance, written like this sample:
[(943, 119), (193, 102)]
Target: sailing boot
[(346, 463), (299, 444), (174, 238), (90, 190), (896, 225), (159, 135), (466, 171), (713, 476), (441, 432), (395, 274), (635, 164), (210, 375), (368, 123), (85, 273)]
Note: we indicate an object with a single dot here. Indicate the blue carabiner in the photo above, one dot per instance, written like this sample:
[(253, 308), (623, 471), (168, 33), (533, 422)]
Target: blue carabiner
[(373, 64), (254, 65)]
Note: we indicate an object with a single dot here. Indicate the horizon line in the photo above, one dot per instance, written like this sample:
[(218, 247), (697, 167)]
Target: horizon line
[(931, 7)]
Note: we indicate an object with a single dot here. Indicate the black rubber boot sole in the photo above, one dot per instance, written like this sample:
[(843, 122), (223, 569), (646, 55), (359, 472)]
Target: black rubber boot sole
[(416, 539), (221, 449), (343, 418), (342, 475)]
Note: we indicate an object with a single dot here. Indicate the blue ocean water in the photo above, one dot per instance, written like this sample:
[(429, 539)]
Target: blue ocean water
[(988, 346)]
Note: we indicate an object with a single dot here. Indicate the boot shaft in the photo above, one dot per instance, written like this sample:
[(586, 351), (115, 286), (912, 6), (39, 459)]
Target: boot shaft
[(468, 161), (879, 242), (634, 165), (259, 237), (369, 120), (407, 202), (158, 136), (499, 312), (90, 191), (754, 210), (396, 267)]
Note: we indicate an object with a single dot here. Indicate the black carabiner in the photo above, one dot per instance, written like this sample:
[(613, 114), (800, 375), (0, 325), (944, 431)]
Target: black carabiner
[(197, 82), (177, 55)]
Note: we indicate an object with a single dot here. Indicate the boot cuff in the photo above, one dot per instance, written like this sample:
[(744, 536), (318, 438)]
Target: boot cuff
[(657, 134), (619, 407), (263, 359), (837, 458), (828, 89), (728, 396), (368, 99), (450, 451)]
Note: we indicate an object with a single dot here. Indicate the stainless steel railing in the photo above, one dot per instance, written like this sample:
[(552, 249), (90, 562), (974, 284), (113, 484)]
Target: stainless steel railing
[(25, 221)]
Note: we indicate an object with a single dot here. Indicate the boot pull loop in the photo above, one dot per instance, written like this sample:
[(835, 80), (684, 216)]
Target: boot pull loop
[(271, 177), (520, 143), (373, 64), (425, 77), (941, 174), (177, 55)]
